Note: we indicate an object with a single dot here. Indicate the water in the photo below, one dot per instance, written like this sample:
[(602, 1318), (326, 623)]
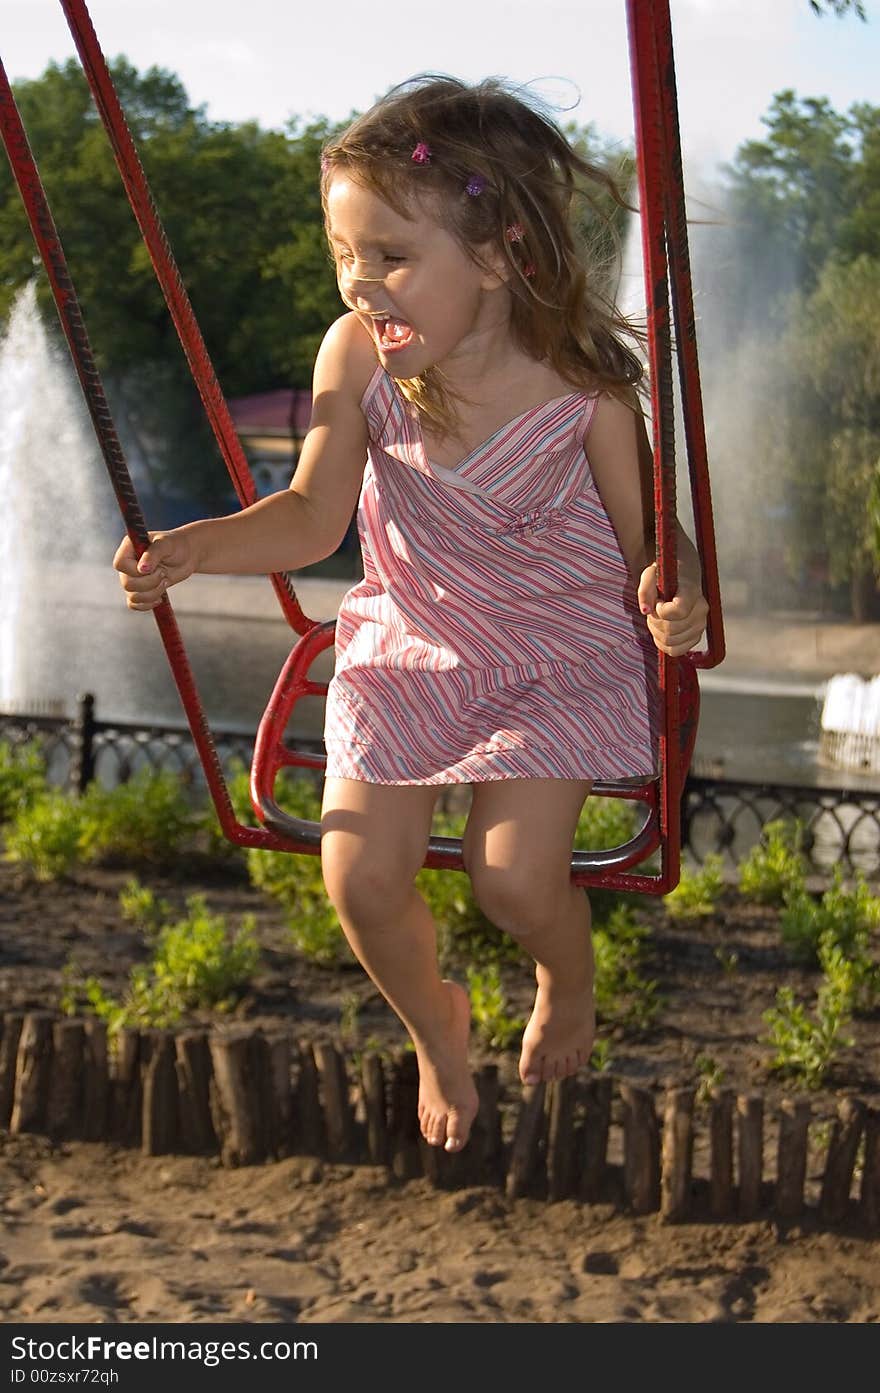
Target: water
[(64, 628), (55, 517)]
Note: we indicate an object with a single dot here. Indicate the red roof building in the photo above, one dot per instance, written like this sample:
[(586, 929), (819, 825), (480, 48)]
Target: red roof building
[(272, 426)]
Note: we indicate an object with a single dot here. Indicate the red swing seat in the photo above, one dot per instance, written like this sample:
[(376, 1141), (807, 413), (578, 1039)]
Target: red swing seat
[(273, 753), (667, 275)]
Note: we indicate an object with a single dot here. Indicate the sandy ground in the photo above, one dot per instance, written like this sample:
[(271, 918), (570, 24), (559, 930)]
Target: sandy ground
[(96, 1235)]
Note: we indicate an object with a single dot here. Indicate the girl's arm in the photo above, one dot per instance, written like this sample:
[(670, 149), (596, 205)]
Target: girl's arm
[(621, 462), (289, 529)]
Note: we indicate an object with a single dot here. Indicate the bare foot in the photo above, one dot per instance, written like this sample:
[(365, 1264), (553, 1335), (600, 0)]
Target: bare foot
[(447, 1097), (558, 1039)]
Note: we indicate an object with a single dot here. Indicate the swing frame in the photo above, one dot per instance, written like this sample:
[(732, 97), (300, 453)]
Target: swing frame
[(667, 281)]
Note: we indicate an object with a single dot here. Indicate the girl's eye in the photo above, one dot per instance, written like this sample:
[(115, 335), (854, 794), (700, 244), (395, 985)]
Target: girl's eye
[(394, 260)]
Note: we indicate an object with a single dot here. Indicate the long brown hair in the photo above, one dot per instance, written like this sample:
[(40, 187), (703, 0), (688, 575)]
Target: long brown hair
[(498, 171)]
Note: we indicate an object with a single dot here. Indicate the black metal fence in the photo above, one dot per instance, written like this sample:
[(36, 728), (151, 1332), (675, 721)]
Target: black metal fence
[(840, 826)]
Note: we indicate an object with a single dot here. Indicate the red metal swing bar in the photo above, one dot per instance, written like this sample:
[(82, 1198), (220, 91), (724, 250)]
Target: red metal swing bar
[(666, 260)]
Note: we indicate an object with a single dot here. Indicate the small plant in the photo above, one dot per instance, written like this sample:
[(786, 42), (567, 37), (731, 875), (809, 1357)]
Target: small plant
[(846, 916), (621, 992), (727, 959), (697, 892), (348, 1018), (853, 975), (197, 965), (601, 1057), (489, 1008), (711, 1076), (806, 1044), (140, 907), (202, 964), (774, 870), (146, 819), (296, 883), (142, 1005), (462, 928), (604, 823), (46, 835), (297, 794), (22, 778)]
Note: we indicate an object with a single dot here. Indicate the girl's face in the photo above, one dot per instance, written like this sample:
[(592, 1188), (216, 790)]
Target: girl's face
[(413, 286)]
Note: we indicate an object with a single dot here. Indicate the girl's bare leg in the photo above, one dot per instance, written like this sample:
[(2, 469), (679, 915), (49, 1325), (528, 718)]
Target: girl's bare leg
[(518, 853), (373, 841)]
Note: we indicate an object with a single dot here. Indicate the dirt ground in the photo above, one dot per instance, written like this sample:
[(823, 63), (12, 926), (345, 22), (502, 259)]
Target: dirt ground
[(93, 1233)]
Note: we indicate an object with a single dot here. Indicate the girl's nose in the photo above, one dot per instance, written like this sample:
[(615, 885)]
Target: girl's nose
[(356, 276)]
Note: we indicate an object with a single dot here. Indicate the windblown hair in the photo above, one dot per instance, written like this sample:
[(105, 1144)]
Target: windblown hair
[(529, 180)]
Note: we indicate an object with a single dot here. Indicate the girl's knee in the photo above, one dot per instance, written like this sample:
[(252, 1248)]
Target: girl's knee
[(363, 889), (521, 900)]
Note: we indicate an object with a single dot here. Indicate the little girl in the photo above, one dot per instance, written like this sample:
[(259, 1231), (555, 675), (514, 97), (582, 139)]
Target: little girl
[(503, 634)]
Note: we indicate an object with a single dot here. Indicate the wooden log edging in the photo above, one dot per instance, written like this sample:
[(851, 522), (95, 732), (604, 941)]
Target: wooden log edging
[(250, 1097)]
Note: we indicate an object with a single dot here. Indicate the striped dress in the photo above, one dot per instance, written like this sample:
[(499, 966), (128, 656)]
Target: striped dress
[(495, 633)]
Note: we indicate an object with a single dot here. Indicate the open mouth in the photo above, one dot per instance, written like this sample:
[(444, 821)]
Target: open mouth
[(393, 334)]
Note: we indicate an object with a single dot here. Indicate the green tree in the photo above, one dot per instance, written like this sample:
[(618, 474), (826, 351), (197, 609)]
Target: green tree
[(838, 7), (799, 364), (833, 350), (242, 213), (791, 196)]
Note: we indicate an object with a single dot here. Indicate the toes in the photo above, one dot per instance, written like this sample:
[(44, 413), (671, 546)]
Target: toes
[(434, 1128), (456, 1131), (549, 1069), (530, 1067)]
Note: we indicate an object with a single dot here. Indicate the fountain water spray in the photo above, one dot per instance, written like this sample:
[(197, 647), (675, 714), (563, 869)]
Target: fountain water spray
[(57, 521)]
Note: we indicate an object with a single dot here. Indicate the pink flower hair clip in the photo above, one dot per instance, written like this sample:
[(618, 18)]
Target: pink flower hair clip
[(528, 270), (475, 185), (514, 233), (421, 154)]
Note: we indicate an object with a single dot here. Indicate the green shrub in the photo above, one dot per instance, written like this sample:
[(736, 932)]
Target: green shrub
[(146, 819), (621, 992), (711, 1076), (200, 962), (847, 917), (697, 892), (727, 959), (46, 835), (463, 931), (144, 1004), (298, 886), (806, 1043), (297, 793), (774, 870), (295, 881), (603, 1055), (605, 823), (140, 907), (489, 1010), (197, 965), (22, 778)]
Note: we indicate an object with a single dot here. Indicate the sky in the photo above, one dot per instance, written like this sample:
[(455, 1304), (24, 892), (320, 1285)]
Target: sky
[(270, 60)]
